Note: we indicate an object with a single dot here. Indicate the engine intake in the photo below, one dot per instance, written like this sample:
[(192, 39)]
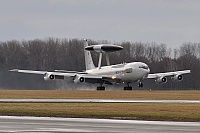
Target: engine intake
[(177, 78), (161, 80), (49, 76), (79, 79)]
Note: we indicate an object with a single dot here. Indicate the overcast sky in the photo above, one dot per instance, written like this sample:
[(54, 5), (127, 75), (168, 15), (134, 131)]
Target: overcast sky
[(172, 22)]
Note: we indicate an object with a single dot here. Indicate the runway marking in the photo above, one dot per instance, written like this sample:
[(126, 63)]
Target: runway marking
[(53, 124), (93, 101), (101, 120)]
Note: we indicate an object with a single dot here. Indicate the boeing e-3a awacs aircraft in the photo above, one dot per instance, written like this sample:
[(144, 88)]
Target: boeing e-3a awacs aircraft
[(111, 74)]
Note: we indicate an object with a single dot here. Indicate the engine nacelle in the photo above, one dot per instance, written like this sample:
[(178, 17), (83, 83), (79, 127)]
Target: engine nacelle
[(78, 79), (177, 78), (49, 76), (161, 80)]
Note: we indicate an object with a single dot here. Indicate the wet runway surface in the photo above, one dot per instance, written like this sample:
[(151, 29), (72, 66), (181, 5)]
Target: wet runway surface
[(61, 125), (96, 101)]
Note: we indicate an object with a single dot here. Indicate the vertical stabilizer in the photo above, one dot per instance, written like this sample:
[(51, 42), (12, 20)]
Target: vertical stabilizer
[(88, 58)]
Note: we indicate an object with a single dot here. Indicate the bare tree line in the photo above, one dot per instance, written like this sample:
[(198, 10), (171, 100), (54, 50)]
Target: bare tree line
[(67, 54)]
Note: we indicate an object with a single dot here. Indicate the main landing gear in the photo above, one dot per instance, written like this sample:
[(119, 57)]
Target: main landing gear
[(128, 87), (101, 88), (140, 85)]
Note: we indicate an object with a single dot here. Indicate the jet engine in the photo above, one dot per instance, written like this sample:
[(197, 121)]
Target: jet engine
[(49, 76), (177, 78), (78, 79), (161, 80)]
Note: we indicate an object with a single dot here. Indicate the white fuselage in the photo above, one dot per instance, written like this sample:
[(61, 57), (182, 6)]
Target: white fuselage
[(128, 72)]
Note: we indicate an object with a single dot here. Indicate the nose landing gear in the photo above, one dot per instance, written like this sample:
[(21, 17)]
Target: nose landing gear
[(140, 85)]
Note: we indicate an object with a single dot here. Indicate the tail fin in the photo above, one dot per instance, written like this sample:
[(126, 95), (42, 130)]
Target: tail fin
[(88, 58)]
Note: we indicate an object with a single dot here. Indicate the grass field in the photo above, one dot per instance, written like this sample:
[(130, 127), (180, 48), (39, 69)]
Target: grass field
[(80, 94), (146, 111)]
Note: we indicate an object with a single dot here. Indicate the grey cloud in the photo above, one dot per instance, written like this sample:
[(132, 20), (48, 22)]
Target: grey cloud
[(163, 21)]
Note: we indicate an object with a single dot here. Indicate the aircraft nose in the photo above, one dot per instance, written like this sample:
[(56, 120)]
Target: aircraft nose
[(147, 73), (148, 70)]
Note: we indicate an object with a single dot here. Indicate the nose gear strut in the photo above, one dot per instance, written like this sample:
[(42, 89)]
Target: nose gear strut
[(140, 85)]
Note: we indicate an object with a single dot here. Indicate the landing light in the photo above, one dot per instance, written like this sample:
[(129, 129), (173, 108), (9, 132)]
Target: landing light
[(113, 77)]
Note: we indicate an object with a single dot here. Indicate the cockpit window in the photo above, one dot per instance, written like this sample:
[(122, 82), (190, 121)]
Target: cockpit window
[(144, 67)]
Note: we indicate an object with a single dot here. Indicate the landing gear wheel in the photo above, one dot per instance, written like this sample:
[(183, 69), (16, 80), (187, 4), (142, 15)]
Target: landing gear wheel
[(125, 88), (140, 85), (101, 88), (128, 88), (98, 88)]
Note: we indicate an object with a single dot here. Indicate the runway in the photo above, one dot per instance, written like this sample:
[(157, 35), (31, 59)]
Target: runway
[(52, 124), (93, 101)]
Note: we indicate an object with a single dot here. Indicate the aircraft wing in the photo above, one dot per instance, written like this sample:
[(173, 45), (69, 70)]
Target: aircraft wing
[(157, 75), (89, 78), (69, 74)]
